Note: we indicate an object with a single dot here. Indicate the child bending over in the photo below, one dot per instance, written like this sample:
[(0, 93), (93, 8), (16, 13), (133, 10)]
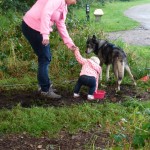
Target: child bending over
[(89, 75)]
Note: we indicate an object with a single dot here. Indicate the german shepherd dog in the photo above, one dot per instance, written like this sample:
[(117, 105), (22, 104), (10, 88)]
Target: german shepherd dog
[(109, 54)]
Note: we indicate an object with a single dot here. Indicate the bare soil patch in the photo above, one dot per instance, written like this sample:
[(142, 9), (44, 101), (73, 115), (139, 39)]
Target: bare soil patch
[(29, 97), (65, 141)]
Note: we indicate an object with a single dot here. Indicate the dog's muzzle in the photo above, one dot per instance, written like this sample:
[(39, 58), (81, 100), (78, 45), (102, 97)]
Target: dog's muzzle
[(88, 51)]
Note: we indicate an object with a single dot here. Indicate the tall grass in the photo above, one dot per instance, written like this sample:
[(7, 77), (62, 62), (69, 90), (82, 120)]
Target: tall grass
[(18, 59)]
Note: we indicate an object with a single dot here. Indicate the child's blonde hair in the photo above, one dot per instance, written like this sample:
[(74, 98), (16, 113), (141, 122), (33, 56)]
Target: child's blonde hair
[(95, 59)]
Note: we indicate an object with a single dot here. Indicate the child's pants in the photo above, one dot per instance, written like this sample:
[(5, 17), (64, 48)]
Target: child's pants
[(85, 80)]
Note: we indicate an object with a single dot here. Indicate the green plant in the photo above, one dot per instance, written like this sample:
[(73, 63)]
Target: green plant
[(16, 5), (141, 136), (17, 47)]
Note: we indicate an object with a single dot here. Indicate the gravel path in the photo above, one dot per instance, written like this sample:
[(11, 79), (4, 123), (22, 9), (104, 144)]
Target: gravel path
[(140, 35)]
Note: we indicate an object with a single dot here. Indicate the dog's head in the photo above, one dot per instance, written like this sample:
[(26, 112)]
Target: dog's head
[(91, 44), (94, 44)]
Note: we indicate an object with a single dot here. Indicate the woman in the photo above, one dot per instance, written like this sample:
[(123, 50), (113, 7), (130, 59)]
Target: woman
[(36, 26)]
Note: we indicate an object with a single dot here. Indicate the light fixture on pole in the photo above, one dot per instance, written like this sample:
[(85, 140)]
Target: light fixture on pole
[(87, 12)]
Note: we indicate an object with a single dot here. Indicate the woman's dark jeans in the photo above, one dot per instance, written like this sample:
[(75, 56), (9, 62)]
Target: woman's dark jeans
[(86, 81), (43, 53)]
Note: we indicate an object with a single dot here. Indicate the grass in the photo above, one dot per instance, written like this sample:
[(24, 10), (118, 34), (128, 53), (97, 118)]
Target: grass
[(85, 116), (113, 18), (127, 119), (18, 54), (72, 119)]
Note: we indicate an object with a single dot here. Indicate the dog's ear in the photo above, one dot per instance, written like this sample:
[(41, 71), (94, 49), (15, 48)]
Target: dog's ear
[(94, 39)]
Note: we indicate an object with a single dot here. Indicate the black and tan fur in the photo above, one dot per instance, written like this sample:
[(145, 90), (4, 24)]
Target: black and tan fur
[(109, 54)]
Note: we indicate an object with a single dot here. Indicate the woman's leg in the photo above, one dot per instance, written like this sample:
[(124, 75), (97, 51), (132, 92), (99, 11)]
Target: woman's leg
[(43, 53)]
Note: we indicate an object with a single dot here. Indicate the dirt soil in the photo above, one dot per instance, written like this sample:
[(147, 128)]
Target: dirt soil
[(82, 140), (28, 98)]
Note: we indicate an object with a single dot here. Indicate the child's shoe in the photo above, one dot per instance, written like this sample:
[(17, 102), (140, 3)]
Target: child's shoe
[(75, 95), (90, 97)]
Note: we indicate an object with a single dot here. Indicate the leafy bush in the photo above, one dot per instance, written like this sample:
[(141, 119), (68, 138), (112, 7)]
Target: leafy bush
[(14, 45), (15, 5)]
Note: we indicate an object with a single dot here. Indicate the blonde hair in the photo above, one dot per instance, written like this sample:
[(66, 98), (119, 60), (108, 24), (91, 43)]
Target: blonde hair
[(95, 59)]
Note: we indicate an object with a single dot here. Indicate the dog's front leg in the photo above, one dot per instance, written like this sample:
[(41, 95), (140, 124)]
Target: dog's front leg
[(107, 72)]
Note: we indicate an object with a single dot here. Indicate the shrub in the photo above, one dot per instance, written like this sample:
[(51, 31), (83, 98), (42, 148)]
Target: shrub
[(15, 5)]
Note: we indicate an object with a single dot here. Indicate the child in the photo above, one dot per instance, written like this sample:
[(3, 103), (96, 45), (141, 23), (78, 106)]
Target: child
[(89, 74)]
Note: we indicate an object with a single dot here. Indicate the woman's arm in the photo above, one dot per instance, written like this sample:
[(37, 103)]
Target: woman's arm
[(61, 26)]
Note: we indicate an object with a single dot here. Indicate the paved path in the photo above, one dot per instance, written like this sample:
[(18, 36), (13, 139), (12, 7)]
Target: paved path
[(140, 35), (141, 14)]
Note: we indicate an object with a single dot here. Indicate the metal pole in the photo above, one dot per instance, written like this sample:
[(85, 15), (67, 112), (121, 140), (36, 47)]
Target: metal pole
[(88, 12)]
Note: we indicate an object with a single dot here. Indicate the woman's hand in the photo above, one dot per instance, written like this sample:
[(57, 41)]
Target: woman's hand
[(73, 48)]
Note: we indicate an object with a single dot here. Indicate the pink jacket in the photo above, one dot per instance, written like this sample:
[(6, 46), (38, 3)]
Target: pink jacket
[(42, 16), (89, 67)]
